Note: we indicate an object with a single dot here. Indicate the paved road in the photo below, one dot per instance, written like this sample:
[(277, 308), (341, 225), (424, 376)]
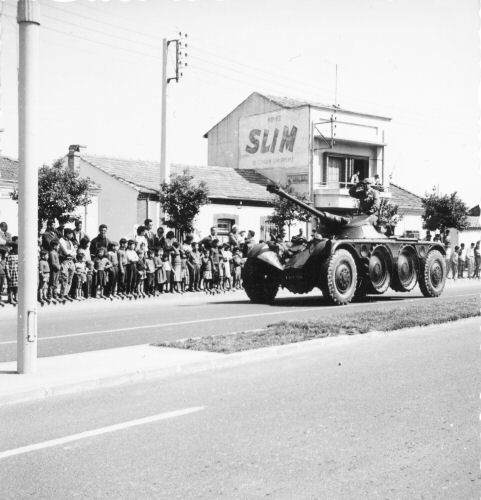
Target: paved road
[(86, 326), (373, 416)]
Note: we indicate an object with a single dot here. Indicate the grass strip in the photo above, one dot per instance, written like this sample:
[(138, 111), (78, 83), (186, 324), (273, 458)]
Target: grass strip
[(351, 323)]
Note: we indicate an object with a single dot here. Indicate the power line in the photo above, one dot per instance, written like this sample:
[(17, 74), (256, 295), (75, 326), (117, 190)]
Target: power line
[(96, 20)]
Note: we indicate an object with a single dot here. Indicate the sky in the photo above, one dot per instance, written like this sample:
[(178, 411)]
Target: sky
[(417, 62)]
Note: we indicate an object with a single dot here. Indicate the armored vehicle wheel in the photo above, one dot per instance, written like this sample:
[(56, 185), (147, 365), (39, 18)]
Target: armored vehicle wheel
[(432, 274), (260, 285), (379, 270), (339, 280), (405, 275)]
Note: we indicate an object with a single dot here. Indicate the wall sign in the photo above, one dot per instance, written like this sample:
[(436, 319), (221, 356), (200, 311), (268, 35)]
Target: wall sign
[(275, 139)]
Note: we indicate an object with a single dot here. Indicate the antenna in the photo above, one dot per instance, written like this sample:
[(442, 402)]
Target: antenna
[(335, 91)]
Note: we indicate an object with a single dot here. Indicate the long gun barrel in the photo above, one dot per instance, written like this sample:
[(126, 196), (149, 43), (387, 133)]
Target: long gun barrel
[(323, 216)]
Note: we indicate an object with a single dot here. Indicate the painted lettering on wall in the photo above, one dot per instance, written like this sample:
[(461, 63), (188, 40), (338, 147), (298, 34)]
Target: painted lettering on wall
[(268, 144)]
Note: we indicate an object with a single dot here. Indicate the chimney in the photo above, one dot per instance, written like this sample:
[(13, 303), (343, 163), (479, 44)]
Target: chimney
[(74, 157)]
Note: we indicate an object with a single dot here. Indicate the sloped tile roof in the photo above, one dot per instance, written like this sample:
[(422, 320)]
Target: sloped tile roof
[(475, 211), (406, 201), (222, 182), (8, 169)]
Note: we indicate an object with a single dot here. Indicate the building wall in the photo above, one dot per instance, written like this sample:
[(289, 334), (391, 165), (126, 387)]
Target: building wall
[(90, 216), (410, 222), (223, 139), (466, 237), (245, 217), (117, 202), (8, 210)]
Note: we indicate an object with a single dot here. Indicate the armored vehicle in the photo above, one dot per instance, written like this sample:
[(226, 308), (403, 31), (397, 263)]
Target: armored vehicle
[(351, 259)]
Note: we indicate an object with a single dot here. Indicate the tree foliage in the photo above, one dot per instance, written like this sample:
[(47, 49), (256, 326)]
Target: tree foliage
[(181, 200), (286, 212), (388, 215), (441, 212), (60, 192)]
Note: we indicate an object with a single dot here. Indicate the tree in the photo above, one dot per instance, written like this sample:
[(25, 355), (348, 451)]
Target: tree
[(286, 212), (441, 212), (181, 200), (388, 215), (60, 192)]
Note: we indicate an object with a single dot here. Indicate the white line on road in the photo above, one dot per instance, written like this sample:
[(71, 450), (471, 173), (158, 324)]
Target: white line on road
[(98, 432), (209, 320)]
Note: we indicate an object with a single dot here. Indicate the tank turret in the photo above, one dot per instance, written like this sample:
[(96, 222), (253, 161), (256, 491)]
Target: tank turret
[(338, 226)]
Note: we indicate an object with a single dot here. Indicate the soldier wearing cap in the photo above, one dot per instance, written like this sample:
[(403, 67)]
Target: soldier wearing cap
[(369, 199)]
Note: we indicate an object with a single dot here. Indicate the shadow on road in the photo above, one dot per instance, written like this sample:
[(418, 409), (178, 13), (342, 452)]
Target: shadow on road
[(319, 301)]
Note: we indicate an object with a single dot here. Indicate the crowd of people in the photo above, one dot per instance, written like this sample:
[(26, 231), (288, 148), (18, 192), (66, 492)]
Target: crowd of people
[(461, 261), (73, 267)]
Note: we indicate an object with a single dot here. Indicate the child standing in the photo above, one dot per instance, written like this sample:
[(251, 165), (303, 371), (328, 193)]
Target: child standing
[(168, 271), (141, 274), (80, 276), (150, 271), (122, 267), (43, 278), (89, 271), (237, 262), (184, 272), (113, 272), (3, 276), (226, 263), (160, 277), (131, 269), (176, 267), (215, 258), (11, 271), (54, 264), (101, 265), (454, 262), (206, 271)]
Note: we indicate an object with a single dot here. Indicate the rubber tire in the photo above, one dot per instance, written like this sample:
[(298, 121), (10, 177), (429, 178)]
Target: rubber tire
[(384, 286), (396, 284), (428, 288), (329, 283), (260, 286)]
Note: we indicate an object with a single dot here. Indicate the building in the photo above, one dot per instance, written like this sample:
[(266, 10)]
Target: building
[(8, 184), (315, 148), (9, 207), (130, 194), (472, 233)]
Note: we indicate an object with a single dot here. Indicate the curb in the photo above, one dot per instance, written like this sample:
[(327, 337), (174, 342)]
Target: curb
[(186, 368)]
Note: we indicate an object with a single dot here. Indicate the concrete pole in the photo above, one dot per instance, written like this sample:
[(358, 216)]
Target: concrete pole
[(164, 169), (28, 83)]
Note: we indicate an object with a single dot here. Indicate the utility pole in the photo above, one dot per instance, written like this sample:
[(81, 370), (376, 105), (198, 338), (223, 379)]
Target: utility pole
[(28, 83), (180, 55)]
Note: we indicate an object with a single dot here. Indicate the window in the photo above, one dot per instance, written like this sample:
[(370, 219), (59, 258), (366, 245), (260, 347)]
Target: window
[(224, 227), (338, 170), (411, 234)]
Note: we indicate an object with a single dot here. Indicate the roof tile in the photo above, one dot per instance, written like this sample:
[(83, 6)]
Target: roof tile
[(222, 182)]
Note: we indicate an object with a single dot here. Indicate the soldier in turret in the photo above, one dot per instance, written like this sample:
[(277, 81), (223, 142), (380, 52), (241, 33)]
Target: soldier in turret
[(369, 199)]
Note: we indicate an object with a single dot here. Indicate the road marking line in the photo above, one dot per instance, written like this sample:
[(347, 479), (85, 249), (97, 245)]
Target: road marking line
[(97, 432), (220, 318)]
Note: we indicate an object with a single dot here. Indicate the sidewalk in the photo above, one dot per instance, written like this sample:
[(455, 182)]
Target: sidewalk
[(73, 373)]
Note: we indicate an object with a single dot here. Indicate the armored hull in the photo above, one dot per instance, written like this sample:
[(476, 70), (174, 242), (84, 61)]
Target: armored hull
[(345, 268), (354, 260)]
